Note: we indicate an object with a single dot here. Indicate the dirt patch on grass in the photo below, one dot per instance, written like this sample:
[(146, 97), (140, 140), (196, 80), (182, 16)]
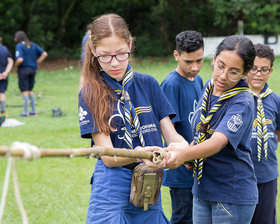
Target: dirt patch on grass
[(60, 63)]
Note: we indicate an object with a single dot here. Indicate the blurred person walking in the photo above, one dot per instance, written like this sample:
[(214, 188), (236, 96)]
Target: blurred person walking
[(27, 55), (6, 65)]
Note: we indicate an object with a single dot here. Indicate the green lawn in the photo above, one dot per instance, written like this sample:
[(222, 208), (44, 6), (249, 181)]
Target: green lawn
[(57, 190)]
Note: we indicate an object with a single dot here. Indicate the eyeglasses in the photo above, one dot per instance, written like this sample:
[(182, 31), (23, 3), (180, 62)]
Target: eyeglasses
[(231, 75), (263, 70), (108, 58)]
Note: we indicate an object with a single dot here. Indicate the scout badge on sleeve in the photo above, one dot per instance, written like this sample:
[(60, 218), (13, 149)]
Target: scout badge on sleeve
[(145, 186)]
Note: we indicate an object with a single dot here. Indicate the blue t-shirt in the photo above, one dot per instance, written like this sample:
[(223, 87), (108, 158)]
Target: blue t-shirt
[(109, 200), (85, 38), (4, 55), (151, 106), (228, 176), (183, 96), (267, 169), (29, 55)]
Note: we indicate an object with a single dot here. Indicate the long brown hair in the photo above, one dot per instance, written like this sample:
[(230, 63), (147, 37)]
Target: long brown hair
[(98, 96), (20, 36)]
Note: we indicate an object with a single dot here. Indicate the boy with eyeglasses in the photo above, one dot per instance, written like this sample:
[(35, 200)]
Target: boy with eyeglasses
[(265, 134)]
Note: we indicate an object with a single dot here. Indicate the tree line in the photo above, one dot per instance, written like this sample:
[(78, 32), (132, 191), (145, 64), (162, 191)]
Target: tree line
[(58, 26)]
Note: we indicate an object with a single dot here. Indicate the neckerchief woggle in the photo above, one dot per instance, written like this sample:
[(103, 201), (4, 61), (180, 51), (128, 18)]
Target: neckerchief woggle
[(262, 134), (130, 115), (206, 116)]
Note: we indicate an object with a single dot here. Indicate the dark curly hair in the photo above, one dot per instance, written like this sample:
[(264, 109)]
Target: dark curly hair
[(264, 51), (189, 41)]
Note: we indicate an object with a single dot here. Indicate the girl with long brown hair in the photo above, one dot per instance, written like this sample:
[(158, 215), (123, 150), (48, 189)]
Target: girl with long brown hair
[(119, 108)]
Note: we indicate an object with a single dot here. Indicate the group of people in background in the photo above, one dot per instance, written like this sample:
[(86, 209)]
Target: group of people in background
[(221, 137), (27, 55)]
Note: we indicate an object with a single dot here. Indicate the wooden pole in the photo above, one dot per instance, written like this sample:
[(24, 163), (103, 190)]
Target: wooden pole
[(94, 151)]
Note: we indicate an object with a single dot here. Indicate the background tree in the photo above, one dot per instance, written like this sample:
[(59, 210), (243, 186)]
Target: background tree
[(58, 26)]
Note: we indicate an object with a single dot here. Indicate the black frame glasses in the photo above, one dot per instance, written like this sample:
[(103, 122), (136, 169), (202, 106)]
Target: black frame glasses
[(264, 71), (109, 57)]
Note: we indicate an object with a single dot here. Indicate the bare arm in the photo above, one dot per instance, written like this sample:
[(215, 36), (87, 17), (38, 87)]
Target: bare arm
[(169, 132), (18, 62), (42, 57), (278, 134), (8, 69), (205, 149), (104, 140)]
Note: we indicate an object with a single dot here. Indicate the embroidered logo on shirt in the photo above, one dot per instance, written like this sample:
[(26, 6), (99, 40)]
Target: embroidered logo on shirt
[(191, 114), (82, 113), (235, 122), (115, 119)]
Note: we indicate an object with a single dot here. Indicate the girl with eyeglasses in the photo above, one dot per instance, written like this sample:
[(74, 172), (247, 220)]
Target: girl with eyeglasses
[(265, 134), (225, 188), (124, 109)]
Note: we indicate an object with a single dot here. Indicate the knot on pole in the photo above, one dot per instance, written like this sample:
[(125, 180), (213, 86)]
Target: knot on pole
[(30, 152)]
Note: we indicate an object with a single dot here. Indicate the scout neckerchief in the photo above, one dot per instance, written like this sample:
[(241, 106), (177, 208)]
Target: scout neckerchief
[(261, 123), (207, 114), (130, 115)]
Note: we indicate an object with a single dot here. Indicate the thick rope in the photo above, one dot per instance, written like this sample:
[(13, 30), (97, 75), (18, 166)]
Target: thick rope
[(5, 188), (17, 194)]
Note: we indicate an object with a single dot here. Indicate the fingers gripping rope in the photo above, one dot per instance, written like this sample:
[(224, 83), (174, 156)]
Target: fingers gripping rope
[(31, 152)]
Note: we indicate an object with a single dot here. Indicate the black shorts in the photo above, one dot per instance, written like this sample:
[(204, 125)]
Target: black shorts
[(26, 78), (3, 85)]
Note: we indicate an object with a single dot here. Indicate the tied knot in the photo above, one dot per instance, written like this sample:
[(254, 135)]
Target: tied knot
[(31, 152)]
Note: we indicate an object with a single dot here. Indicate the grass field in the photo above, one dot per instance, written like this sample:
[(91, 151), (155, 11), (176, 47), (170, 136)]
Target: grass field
[(57, 190)]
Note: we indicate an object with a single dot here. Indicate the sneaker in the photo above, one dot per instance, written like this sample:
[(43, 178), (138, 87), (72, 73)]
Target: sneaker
[(2, 119), (33, 114), (24, 115)]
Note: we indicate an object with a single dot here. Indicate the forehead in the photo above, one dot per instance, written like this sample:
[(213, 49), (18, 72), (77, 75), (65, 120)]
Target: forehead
[(192, 56), (111, 44), (230, 58), (262, 62)]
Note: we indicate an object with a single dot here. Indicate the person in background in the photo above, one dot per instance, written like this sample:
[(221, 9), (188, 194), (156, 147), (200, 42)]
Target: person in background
[(123, 109), (6, 65), (84, 40), (265, 134), (28, 55), (225, 186), (182, 88)]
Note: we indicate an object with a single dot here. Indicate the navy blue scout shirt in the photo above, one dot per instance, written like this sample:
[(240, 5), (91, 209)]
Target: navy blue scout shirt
[(183, 96), (4, 55), (29, 55), (267, 170), (228, 176), (150, 104)]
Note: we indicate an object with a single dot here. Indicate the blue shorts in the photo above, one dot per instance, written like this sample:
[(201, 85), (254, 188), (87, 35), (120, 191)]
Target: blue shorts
[(265, 211), (3, 85), (26, 78)]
